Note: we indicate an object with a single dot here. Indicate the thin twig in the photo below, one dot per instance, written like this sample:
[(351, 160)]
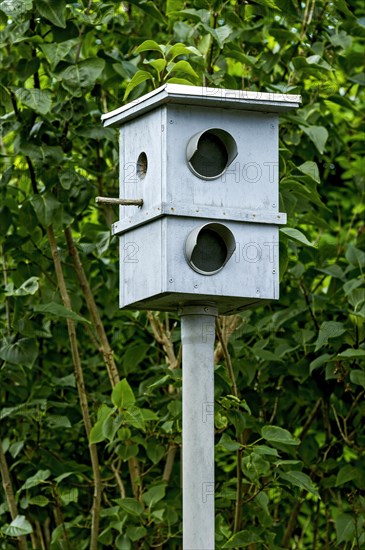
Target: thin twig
[(310, 419), (162, 338), (9, 493), (292, 521), (227, 358), (306, 298), (95, 512), (105, 347), (169, 462), (119, 479), (342, 432), (7, 304), (82, 30)]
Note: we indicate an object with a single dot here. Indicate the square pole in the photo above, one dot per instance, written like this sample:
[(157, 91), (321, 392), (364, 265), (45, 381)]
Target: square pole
[(198, 335)]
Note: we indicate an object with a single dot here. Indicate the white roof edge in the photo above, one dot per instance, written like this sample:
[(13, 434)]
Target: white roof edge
[(201, 95)]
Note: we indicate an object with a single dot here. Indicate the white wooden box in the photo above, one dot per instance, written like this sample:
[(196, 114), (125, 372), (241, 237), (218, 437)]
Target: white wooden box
[(154, 273), (158, 133)]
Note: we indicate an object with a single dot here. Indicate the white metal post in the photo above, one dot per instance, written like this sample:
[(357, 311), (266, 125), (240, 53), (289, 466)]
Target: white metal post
[(197, 335)]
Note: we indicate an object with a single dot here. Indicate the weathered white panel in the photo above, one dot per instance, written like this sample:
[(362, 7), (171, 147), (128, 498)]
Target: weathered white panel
[(249, 183), (141, 264), (158, 276), (248, 189), (144, 135)]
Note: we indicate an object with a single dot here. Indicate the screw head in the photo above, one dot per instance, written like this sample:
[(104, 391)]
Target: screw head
[(171, 280), (195, 285), (274, 270)]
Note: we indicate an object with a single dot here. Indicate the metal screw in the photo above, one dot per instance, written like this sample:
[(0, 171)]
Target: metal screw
[(206, 309), (171, 280), (257, 291), (196, 285), (273, 205), (274, 270), (171, 121)]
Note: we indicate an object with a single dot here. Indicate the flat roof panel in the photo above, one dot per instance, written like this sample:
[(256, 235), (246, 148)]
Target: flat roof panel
[(203, 96)]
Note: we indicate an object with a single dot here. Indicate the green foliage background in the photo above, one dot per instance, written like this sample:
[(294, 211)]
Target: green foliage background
[(290, 466)]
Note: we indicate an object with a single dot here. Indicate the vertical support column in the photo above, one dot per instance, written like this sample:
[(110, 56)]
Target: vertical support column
[(197, 335)]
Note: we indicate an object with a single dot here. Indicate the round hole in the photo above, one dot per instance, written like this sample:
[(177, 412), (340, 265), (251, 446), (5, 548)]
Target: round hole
[(210, 251), (209, 247), (142, 165), (209, 153), (210, 158)]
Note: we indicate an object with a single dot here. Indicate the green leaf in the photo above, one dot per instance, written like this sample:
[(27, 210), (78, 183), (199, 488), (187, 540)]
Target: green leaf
[(149, 7), (242, 539), (47, 208), (221, 34), (351, 353), (265, 450), (58, 421), (319, 362), (158, 64), (39, 500), (155, 452), (310, 168), (295, 235), (182, 67), (37, 100), (40, 477), (97, 433), (138, 78), (348, 473), (319, 136), (181, 49), (56, 52), (154, 495), (122, 395), (345, 528), (68, 494), (53, 11), (59, 310), (174, 5), (81, 76), (358, 377), (268, 4), (275, 434), (255, 466), (134, 417), (131, 506), (355, 256), (123, 542), (30, 286), (14, 8), (19, 527), (228, 443), (183, 81), (136, 532), (329, 329), (149, 45), (299, 479), (22, 352), (341, 39)]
